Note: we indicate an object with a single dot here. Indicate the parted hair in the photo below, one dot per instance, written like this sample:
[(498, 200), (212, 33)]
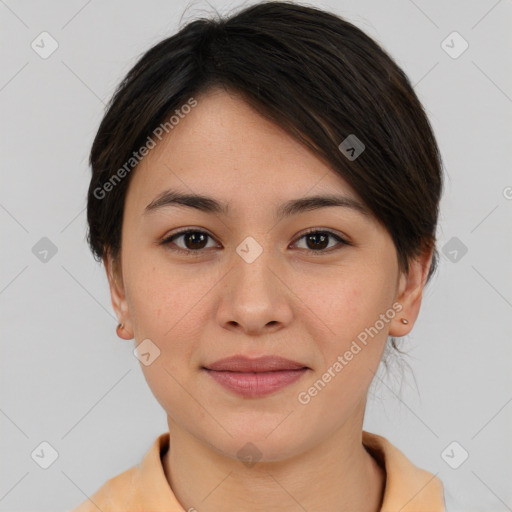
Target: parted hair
[(311, 72)]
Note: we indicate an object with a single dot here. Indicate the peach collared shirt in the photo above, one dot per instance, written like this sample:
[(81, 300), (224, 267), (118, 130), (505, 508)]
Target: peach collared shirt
[(144, 487)]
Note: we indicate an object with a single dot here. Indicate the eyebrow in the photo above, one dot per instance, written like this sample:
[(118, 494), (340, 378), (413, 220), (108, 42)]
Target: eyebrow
[(291, 207)]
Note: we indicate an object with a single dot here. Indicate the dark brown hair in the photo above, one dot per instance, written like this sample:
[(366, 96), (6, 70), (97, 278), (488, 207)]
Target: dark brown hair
[(311, 72)]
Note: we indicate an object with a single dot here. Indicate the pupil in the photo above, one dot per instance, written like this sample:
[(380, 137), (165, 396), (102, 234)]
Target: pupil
[(195, 238), (323, 244)]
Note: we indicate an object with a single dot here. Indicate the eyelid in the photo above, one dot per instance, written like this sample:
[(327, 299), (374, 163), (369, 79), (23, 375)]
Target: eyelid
[(335, 234)]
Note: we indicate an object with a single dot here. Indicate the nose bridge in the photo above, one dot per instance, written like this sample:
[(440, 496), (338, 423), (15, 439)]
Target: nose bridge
[(254, 297), (253, 274)]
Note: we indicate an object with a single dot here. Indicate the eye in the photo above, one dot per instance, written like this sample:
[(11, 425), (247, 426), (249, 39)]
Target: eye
[(194, 241), (317, 241)]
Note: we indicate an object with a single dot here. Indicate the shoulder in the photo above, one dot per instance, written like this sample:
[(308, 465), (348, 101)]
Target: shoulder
[(409, 488), (110, 494), (143, 485)]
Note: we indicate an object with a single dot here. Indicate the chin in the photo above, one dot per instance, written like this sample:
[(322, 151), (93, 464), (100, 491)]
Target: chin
[(260, 445)]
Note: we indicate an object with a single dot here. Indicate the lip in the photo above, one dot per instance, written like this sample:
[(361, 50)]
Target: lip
[(255, 377), (257, 364)]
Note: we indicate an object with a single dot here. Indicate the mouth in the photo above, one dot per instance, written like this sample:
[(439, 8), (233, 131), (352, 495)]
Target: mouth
[(257, 377)]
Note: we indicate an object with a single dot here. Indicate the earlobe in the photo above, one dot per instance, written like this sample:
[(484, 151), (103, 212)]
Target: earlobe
[(410, 294), (118, 298), (122, 333)]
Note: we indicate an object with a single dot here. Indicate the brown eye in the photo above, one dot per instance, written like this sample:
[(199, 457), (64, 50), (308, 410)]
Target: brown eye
[(193, 240), (318, 241)]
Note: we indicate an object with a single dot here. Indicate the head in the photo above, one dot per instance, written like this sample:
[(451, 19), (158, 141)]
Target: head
[(259, 114)]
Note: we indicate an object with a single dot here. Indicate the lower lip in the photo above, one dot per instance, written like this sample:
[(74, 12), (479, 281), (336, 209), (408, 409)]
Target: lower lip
[(256, 384)]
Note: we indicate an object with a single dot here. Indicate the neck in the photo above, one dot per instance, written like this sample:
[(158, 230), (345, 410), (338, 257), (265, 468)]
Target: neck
[(337, 476)]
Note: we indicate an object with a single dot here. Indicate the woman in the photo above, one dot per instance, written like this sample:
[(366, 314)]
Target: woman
[(265, 197)]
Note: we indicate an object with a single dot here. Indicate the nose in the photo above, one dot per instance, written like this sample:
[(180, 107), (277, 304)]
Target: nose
[(255, 298)]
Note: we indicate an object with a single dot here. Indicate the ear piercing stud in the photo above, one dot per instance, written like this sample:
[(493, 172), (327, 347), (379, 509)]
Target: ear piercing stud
[(404, 321)]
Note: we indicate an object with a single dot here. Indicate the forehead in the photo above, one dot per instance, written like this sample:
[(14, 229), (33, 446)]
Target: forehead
[(222, 147)]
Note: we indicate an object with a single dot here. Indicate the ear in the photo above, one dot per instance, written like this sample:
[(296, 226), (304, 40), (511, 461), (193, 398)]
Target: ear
[(410, 293), (117, 295)]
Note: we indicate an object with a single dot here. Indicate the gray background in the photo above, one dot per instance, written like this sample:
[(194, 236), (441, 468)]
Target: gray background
[(68, 380)]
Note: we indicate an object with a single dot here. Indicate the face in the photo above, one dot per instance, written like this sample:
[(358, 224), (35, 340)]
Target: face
[(305, 285)]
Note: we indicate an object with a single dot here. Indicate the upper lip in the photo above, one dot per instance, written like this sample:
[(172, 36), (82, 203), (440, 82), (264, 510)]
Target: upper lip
[(258, 364)]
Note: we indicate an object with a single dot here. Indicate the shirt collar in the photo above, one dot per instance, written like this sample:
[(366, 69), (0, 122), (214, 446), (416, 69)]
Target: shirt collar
[(407, 489)]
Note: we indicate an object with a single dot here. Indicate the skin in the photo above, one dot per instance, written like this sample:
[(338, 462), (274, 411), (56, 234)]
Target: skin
[(288, 302)]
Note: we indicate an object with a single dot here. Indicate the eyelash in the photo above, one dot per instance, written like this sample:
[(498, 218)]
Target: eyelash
[(167, 241)]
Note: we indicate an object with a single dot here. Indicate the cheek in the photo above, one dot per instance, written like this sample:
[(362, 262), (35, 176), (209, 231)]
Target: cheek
[(351, 349), (166, 308), (350, 303), (171, 306), (163, 299)]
